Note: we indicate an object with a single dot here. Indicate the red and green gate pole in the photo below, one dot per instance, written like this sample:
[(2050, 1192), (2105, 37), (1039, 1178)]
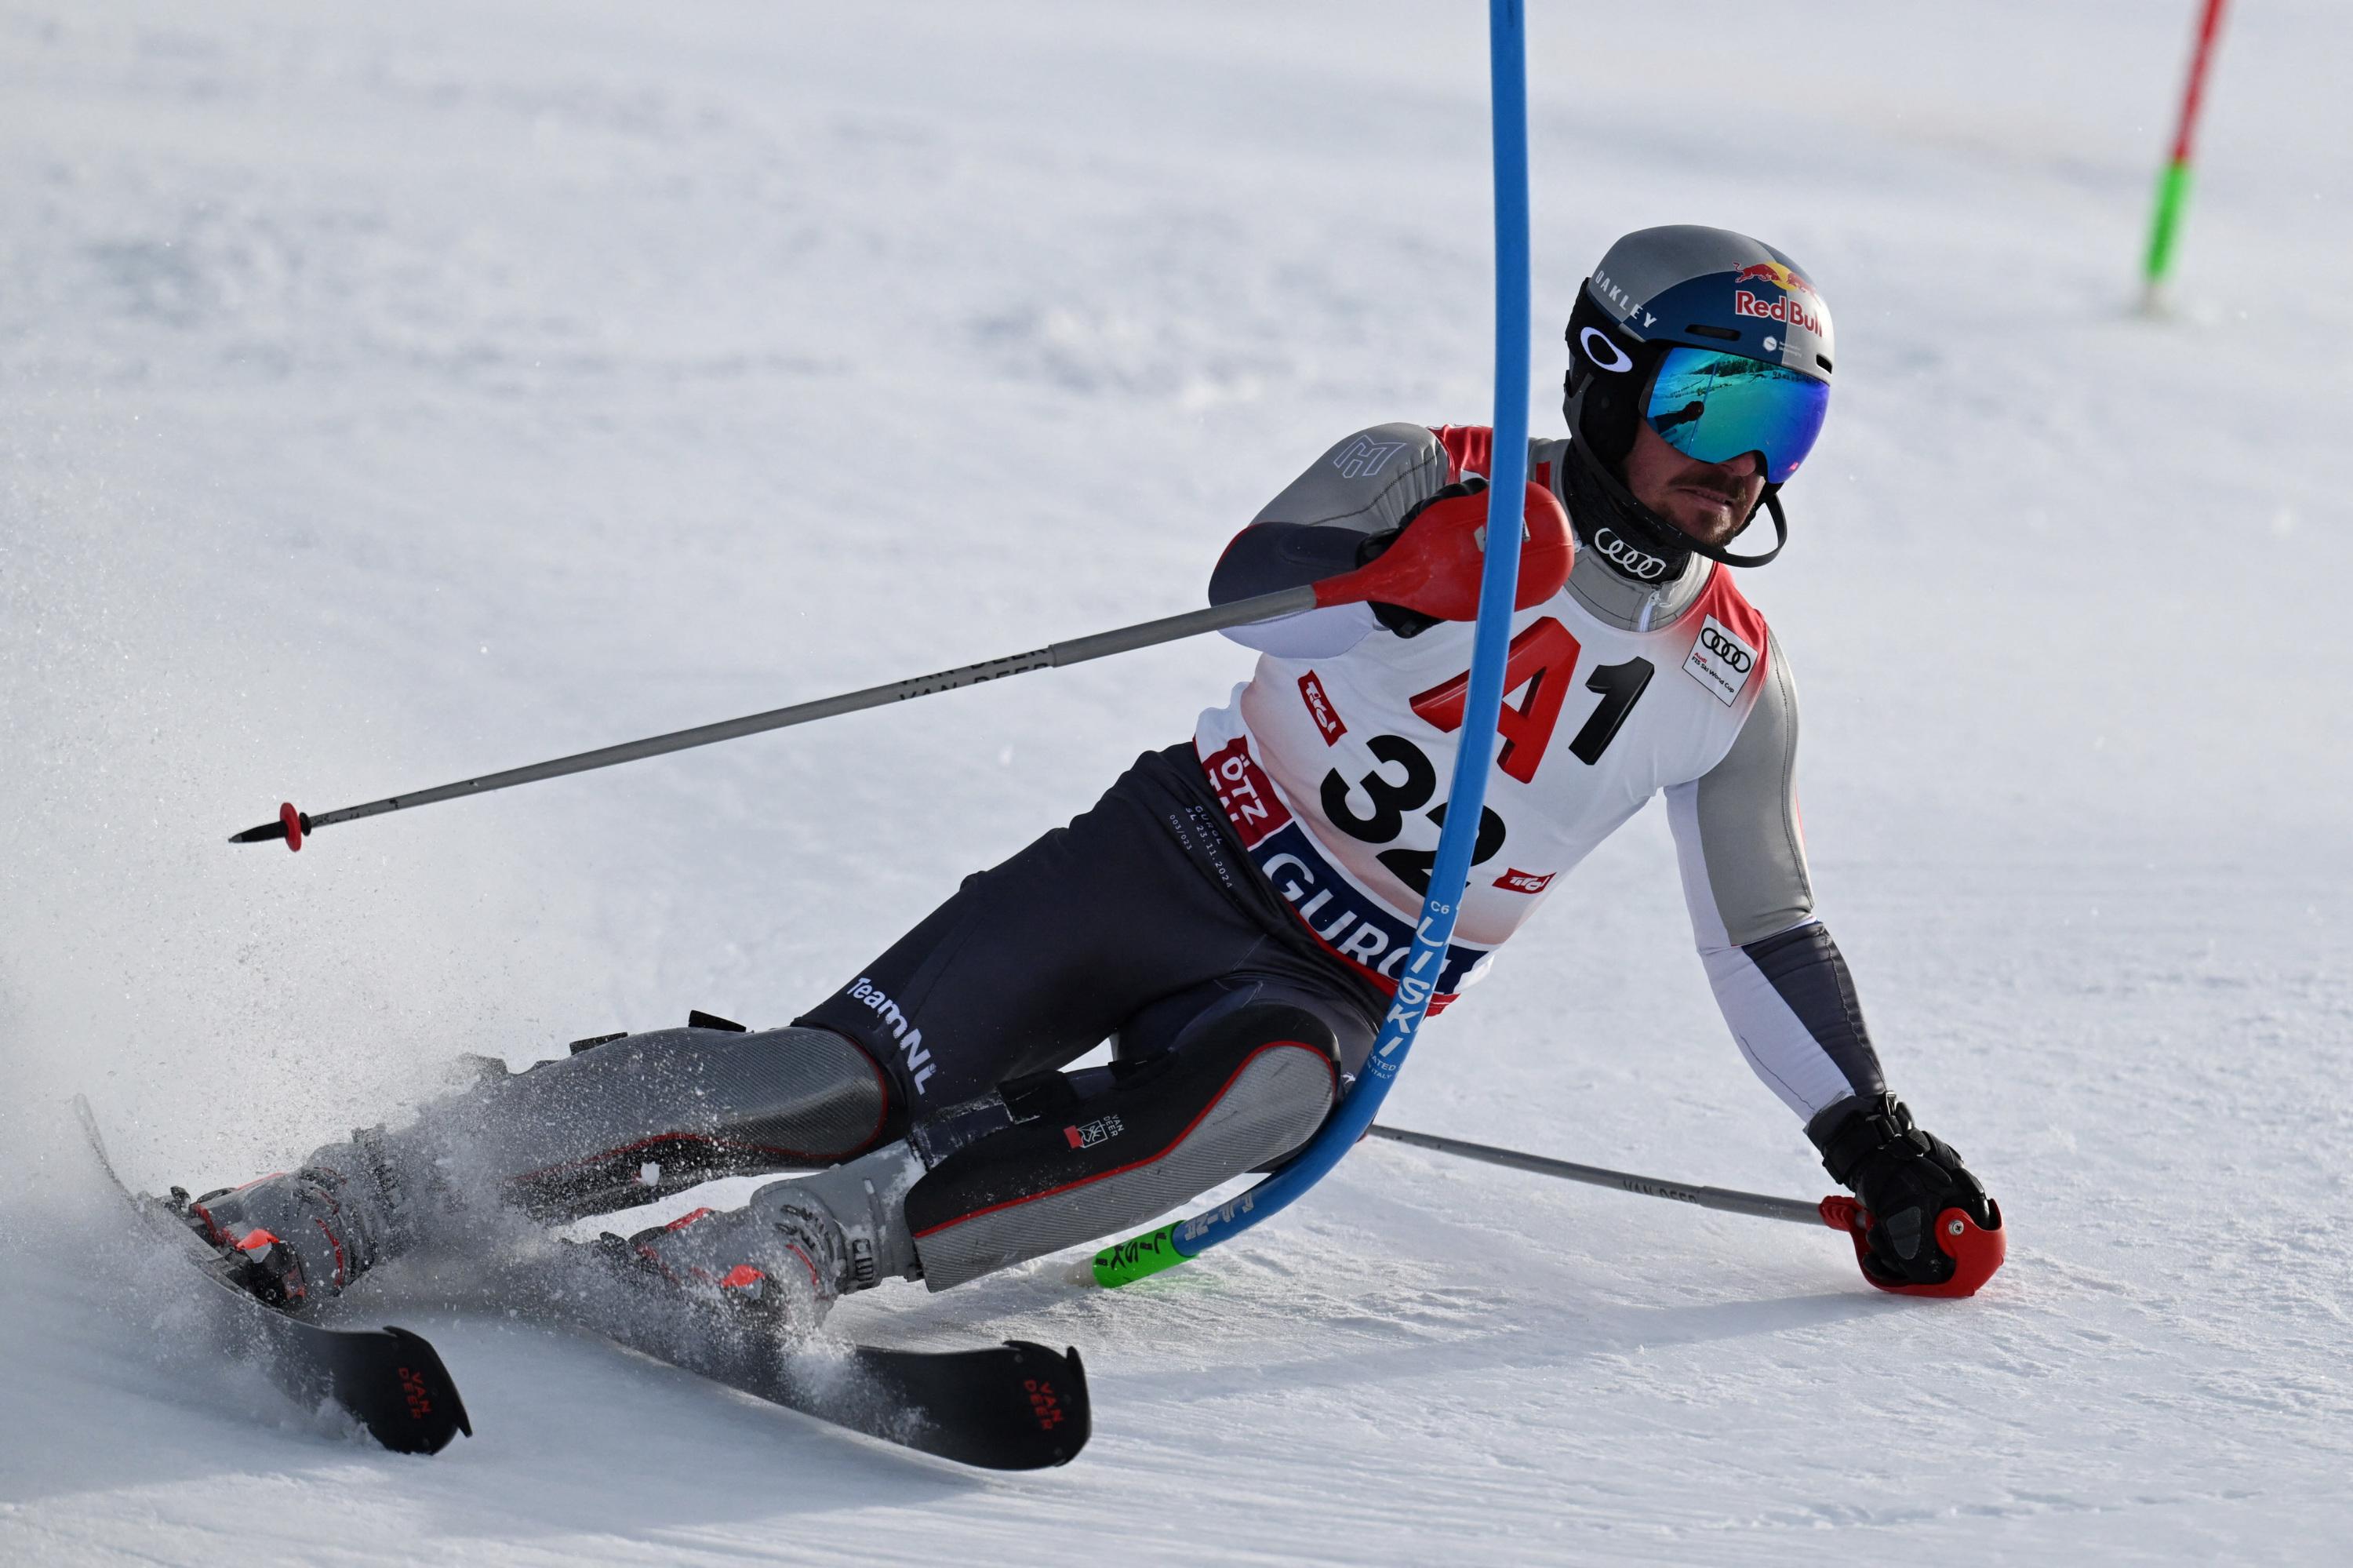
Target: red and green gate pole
[(2173, 184)]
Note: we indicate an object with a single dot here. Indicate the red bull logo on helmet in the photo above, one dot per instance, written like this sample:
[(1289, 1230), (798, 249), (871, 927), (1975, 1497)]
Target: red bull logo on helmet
[(1773, 273), (1786, 309)]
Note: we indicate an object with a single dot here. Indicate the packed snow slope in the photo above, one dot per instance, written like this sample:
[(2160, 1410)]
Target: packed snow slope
[(393, 394)]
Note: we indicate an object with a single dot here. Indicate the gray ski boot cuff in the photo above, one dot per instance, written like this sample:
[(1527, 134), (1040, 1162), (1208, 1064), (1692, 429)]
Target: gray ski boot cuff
[(309, 1232), (865, 1202)]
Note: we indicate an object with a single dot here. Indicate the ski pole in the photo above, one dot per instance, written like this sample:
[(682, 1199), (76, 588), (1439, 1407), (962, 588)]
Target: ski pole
[(1975, 1251), (1837, 1212), (1447, 566)]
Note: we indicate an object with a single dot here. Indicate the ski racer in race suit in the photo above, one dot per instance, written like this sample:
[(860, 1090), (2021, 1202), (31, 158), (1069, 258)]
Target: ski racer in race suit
[(1232, 913)]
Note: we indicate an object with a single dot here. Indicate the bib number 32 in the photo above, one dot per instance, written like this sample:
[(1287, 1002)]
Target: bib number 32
[(1392, 798), (1543, 660)]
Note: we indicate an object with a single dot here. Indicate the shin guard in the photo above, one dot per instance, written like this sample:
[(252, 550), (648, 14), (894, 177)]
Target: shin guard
[(629, 1120), (1253, 1088)]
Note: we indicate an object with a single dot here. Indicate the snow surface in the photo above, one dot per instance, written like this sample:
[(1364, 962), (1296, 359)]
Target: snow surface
[(393, 394)]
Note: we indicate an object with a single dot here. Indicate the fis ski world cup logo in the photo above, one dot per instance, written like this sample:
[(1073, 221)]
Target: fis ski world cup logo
[(1789, 309)]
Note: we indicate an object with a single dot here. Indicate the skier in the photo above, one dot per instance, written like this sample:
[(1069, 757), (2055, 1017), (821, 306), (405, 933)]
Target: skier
[(1231, 913)]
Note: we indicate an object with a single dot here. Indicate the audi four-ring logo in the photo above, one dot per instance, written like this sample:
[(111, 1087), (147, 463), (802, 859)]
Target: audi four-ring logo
[(1640, 562), (1725, 648)]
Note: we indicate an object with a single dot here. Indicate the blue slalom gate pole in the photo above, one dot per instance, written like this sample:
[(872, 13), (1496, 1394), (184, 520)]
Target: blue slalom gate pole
[(1491, 650)]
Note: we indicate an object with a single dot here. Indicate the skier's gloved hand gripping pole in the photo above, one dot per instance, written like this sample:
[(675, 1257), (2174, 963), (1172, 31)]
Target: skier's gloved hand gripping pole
[(1491, 647), (1976, 1252), (1433, 567)]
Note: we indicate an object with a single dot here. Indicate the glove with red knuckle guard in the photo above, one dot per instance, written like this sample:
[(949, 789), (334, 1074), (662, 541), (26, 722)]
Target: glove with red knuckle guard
[(1439, 549), (1909, 1181)]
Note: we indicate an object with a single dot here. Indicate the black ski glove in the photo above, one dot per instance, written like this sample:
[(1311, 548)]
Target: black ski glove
[(1905, 1178), (1396, 616)]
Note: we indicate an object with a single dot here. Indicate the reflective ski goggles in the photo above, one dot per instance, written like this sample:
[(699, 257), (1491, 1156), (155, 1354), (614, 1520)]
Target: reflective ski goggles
[(1715, 407)]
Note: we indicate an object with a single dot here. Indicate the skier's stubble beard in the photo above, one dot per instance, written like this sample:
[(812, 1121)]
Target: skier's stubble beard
[(1708, 501)]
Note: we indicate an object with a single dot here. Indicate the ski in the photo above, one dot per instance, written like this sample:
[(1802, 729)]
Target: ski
[(391, 1382), (1014, 1406)]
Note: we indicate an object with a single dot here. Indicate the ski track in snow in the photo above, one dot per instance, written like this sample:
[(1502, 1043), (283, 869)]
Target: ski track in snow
[(394, 397)]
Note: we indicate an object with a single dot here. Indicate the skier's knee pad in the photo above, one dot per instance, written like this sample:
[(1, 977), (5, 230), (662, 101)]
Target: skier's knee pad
[(627, 1119), (1255, 1087)]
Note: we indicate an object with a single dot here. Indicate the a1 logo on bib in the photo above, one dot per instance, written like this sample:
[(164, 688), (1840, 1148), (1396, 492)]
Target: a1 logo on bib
[(1721, 662)]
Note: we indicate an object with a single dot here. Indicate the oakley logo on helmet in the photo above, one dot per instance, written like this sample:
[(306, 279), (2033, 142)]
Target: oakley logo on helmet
[(1638, 563), (1604, 354), (1629, 307)]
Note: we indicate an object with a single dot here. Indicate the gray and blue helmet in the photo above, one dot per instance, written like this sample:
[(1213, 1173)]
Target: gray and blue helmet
[(1719, 343)]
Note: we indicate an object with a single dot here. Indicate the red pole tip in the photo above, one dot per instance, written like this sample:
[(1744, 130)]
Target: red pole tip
[(292, 821)]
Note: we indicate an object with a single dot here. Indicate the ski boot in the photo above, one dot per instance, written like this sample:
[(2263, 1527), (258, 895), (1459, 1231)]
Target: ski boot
[(778, 1264), (297, 1237)]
